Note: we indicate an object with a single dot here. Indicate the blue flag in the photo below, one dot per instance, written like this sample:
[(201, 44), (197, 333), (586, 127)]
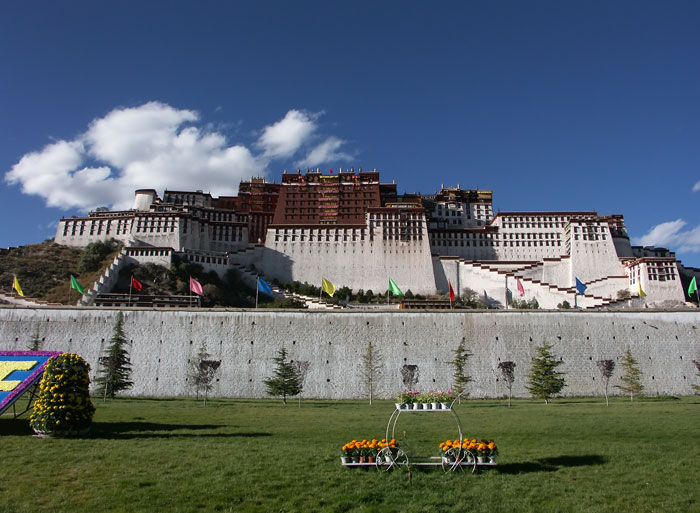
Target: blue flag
[(264, 287), (580, 286)]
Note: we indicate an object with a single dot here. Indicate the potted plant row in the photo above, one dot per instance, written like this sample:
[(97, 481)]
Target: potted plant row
[(461, 451), (431, 400), (364, 451)]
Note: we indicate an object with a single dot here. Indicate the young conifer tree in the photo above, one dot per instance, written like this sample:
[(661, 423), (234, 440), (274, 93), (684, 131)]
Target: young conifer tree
[(371, 363), (115, 367), (285, 380), (632, 377), (459, 365), (35, 343), (544, 380)]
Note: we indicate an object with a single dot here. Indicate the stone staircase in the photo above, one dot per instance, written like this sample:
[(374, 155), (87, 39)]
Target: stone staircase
[(547, 294), (107, 281), (312, 303), (250, 277), (18, 300)]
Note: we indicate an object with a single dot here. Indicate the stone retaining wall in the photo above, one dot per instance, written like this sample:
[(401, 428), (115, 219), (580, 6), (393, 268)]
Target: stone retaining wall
[(165, 342)]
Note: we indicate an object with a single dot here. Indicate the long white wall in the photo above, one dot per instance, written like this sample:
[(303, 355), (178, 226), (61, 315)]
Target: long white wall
[(364, 263), (163, 342)]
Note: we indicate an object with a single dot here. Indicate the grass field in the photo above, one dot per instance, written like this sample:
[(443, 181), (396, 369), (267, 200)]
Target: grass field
[(245, 455)]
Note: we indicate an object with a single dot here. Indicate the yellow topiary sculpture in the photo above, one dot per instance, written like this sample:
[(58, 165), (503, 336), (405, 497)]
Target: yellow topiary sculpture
[(63, 407)]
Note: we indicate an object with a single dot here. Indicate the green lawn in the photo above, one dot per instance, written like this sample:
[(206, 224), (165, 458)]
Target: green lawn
[(245, 455)]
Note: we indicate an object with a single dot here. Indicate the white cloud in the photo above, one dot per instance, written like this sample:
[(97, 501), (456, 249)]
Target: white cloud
[(696, 187), (671, 235), (284, 138), (136, 134), (325, 152), (158, 146)]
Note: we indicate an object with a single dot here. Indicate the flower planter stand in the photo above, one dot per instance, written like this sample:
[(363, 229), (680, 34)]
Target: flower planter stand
[(452, 460)]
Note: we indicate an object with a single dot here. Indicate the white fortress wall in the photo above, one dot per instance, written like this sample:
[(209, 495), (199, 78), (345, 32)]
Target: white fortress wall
[(608, 287), (592, 251), (356, 264), (557, 271), (75, 232), (356, 257), (664, 343)]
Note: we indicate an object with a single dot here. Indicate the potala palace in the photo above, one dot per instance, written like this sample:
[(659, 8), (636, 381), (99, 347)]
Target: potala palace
[(357, 231)]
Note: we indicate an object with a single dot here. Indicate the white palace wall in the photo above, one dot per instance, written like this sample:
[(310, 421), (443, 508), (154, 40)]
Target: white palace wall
[(165, 342), (364, 263)]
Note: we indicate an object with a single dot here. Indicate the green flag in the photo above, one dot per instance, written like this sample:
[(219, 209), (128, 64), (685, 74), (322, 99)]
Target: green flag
[(75, 285), (394, 289), (693, 287)]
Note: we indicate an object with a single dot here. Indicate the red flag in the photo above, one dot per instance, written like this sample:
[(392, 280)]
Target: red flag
[(136, 284), (452, 292), (196, 287), (331, 171), (521, 289)]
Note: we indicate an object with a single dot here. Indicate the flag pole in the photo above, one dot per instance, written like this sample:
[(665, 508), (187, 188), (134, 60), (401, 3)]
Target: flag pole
[(131, 283), (506, 292), (190, 291), (257, 290)]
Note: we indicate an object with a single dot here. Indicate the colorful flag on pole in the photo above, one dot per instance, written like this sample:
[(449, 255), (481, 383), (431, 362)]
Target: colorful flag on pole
[(75, 285), (327, 287), (521, 289), (15, 285), (264, 287), (580, 286), (136, 284), (693, 287), (641, 292), (196, 287), (452, 292), (394, 289)]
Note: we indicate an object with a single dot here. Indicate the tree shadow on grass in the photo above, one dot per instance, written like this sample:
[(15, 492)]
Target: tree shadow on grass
[(126, 430), (550, 464), (15, 427)]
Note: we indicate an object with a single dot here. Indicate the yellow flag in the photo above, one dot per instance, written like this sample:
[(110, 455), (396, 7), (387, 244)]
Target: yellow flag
[(328, 287), (16, 286), (641, 292)]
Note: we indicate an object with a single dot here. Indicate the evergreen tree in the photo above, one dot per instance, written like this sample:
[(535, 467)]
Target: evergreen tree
[(371, 363), (606, 369), (459, 366), (632, 377), (115, 367), (544, 380), (285, 381), (35, 343)]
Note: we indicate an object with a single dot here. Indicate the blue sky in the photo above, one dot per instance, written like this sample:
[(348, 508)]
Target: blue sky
[(552, 105)]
